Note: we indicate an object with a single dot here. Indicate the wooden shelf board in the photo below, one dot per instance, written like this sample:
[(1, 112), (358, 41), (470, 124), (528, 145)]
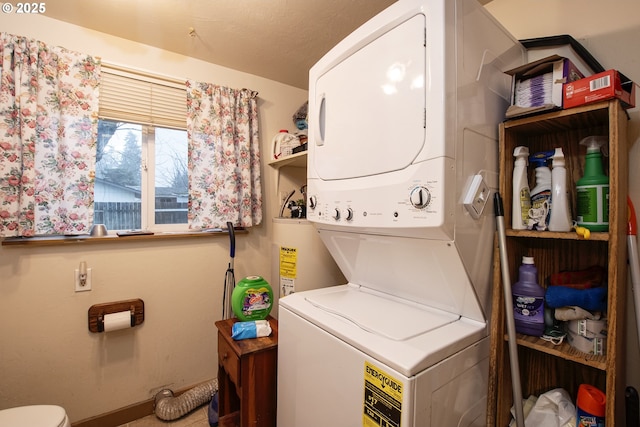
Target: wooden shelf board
[(295, 160), (563, 350), (600, 236)]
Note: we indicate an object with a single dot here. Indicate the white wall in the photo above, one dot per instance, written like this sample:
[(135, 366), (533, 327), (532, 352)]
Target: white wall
[(47, 354), (610, 31)]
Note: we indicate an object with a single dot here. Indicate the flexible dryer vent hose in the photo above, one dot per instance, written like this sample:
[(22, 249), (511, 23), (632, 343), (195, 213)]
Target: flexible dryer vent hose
[(169, 407)]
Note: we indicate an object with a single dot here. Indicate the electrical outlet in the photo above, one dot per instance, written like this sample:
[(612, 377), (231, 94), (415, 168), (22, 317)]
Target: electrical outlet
[(476, 197), (87, 283)]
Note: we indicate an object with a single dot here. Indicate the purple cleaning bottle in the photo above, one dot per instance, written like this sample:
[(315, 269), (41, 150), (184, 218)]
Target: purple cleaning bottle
[(528, 300)]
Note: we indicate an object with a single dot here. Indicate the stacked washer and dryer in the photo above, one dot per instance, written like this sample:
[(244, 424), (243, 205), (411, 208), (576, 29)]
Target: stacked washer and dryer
[(402, 161)]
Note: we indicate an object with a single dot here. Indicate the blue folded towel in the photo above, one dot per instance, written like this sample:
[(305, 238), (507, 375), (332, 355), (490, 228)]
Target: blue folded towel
[(594, 299)]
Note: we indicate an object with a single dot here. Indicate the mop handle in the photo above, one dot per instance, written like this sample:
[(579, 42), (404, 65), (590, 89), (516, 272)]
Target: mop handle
[(232, 239), (634, 266), (508, 308)]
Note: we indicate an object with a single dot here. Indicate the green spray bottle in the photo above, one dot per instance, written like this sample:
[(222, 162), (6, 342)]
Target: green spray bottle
[(593, 188)]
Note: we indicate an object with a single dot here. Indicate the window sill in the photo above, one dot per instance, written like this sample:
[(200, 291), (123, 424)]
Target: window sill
[(91, 240)]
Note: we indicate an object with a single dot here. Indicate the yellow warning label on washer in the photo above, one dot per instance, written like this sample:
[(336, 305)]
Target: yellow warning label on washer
[(288, 262), (382, 398)]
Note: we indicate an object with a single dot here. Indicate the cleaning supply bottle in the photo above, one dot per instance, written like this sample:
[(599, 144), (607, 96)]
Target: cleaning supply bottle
[(593, 188), (521, 199), (528, 300), (560, 216), (252, 299), (591, 406), (284, 143), (541, 193)]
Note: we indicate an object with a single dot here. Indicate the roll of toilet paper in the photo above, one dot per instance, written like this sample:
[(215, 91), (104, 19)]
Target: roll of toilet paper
[(117, 321)]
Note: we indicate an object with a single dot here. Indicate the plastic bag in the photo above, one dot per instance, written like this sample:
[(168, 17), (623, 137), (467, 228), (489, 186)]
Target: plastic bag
[(552, 409), (250, 329)]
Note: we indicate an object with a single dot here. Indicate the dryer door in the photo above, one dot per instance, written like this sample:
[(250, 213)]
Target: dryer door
[(370, 106)]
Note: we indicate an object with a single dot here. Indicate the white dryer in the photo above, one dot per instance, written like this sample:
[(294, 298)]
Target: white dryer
[(403, 122)]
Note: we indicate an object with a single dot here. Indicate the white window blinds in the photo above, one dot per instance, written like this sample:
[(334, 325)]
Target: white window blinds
[(136, 97)]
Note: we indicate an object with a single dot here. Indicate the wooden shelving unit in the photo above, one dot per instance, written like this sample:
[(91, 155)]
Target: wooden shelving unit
[(544, 366)]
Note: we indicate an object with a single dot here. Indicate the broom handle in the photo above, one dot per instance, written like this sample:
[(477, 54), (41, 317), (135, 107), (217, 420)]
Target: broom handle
[(508, 309), (632, 246)]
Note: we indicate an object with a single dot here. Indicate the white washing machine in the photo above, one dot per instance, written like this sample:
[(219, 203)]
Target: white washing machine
[(403, 121)]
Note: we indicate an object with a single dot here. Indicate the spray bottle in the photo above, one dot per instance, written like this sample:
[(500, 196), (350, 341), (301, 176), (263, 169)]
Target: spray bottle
[(593, 188), (541, 193), (521, 200), (560, 217)]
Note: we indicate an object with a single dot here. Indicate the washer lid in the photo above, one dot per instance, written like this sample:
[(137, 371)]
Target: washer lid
[(33, 416), (406, 336), (383, 317)]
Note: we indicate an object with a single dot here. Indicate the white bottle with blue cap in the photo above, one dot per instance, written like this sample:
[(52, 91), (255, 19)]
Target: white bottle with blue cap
[(560, 216)]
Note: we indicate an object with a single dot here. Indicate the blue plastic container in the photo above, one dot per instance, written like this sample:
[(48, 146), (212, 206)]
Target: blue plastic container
[(591, 406), (213, 411)]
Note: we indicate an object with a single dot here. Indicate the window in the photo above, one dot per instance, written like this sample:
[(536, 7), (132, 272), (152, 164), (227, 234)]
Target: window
[(141, 177), (141, 160)]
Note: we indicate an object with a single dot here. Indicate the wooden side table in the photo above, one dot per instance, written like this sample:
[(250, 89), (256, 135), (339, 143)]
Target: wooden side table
[(247, 375)]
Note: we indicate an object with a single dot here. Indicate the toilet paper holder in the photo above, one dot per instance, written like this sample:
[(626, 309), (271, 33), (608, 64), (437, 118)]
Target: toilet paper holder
[(97, 313)]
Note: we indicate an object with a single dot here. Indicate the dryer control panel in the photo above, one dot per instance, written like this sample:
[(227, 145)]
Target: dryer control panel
[(415, 197)]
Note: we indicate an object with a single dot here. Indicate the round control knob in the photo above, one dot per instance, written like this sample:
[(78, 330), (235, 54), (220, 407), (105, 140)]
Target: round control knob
[(313, 202), (336, 214), (349, 214), (420, 197)]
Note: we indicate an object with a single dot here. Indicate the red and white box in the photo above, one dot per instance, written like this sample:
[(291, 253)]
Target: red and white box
[(606, 85)]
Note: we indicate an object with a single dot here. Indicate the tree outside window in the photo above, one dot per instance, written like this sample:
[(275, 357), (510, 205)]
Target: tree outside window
[(141, 177)]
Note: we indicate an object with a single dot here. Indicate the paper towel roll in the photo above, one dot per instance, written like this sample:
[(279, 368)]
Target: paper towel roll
[(117, 321)]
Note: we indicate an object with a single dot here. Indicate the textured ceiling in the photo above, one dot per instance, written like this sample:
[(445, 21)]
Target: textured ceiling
[(276, 39)]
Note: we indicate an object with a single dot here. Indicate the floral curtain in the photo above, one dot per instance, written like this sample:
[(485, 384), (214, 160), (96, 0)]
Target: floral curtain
[(48, 128), (224, 156)]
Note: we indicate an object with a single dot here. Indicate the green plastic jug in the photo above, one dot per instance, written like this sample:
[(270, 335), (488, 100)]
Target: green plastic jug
[(252, 299)]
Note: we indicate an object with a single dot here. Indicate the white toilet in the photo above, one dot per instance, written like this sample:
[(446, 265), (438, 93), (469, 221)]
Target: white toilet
[(34, 416)]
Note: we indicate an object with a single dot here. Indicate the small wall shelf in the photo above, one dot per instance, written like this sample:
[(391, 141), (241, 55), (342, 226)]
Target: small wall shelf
[(290, 174), (295, 160)]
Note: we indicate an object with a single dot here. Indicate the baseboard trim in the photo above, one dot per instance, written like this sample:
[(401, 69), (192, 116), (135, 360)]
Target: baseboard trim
[(124, 415)]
